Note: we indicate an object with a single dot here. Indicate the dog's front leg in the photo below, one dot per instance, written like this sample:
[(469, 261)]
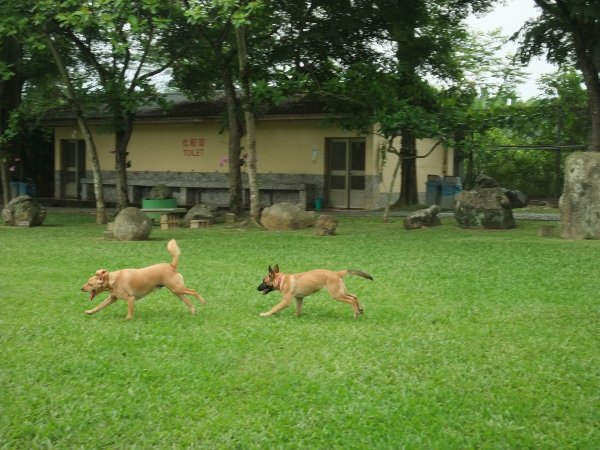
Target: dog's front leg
[(299, 305), (111, 299), (287, 299), (130, 307)]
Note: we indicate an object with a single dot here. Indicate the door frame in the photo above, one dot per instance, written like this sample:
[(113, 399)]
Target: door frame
[(350, 198), (75, 171)]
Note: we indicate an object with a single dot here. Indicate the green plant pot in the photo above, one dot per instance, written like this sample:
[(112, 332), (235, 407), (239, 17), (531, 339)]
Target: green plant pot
[(149, 203)]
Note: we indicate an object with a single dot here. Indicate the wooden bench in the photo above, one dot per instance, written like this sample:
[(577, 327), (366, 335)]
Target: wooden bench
[(169, 217)]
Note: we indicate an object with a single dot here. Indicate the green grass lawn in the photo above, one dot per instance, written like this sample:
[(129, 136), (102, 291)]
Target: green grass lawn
[(470, 339)]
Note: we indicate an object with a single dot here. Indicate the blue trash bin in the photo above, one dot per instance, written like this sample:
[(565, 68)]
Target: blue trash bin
[(450, 187), (433, 191), (22, 186)]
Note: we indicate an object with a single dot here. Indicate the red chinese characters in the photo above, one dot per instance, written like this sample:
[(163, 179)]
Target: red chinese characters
[(193, 146)]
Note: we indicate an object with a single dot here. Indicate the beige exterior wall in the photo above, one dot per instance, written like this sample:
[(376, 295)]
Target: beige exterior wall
[(439, 162), (287, 147), (284, 147)]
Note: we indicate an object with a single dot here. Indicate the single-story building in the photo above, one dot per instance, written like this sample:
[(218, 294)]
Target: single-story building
[(302, 153)]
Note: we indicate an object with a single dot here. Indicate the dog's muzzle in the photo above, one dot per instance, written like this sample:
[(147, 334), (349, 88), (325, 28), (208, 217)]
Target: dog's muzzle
[(91, 291), (265, 288)]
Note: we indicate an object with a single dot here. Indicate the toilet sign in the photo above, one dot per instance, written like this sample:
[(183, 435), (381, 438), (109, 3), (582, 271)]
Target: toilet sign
[(193, 146)]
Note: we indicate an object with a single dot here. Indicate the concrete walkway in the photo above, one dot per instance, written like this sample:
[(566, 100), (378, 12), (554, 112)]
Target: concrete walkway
[(443, 214), (346, 213)]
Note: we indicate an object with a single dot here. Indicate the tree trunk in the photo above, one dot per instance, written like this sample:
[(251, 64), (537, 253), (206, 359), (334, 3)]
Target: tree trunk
[(97, 173), (10, 99), (236, 205), (386, 213), (250, 123), (592, 83), (122, 137), (408, 181), (85, 131)]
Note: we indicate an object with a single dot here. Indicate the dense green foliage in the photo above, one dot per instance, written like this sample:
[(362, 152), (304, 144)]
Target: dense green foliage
[(412, 68), (470, 339), (567, 32), (524, 144)]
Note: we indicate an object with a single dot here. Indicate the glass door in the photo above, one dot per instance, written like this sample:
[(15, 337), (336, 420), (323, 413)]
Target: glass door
[(73, 166), (346, 173)]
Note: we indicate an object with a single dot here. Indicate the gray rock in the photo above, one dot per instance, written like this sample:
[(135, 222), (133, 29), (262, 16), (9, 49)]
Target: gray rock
[(286, 216), (131, 224), (326, 225), (487, 208), (580, 200), (24, 211), (484, 181), (427, 217), (517, 198), (201, 211)]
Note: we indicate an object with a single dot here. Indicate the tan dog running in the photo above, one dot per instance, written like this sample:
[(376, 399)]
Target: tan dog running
[(133, 284), (300, 285)]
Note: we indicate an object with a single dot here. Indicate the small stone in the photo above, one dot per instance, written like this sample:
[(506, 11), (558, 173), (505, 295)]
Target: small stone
[(326, 225), (427, 217)]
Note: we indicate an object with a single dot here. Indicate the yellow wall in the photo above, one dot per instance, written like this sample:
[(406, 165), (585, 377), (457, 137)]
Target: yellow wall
[(286, 147), (439, 162), (283, 146)]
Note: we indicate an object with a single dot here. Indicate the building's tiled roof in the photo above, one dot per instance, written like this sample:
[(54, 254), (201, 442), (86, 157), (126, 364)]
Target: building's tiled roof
[(183, 109)]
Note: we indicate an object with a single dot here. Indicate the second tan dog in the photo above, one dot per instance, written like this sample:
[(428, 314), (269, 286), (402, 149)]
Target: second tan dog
[(300, 285), (133, 284)]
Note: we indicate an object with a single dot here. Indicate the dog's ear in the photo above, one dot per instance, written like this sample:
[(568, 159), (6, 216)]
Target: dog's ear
[(276, 268), (101, 273)]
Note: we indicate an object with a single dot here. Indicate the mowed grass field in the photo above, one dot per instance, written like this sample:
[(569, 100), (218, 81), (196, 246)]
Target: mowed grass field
[(470, 339)]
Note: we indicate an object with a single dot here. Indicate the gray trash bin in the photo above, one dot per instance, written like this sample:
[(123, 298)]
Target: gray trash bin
[(433, 192)]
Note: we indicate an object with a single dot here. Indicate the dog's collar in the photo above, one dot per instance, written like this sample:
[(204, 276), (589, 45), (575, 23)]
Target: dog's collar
[(279, 281), (106, 283)]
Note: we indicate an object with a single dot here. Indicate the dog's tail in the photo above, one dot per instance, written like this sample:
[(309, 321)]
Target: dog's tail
[(174, 250), (358, 273)]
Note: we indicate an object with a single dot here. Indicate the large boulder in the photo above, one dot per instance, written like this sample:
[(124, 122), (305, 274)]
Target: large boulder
[(485, 181), (201, 211), (517, 198), (286, 216), (487, 208), (427, 217), (580, 200), (131, 224), (24, 211)]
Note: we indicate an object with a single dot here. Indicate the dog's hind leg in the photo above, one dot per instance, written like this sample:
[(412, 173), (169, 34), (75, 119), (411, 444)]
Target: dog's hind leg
[(177, 287), (339, 293), (110, 300), (352, 301), (189, 291), (185, 300), (182, 291), (356, 305)]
